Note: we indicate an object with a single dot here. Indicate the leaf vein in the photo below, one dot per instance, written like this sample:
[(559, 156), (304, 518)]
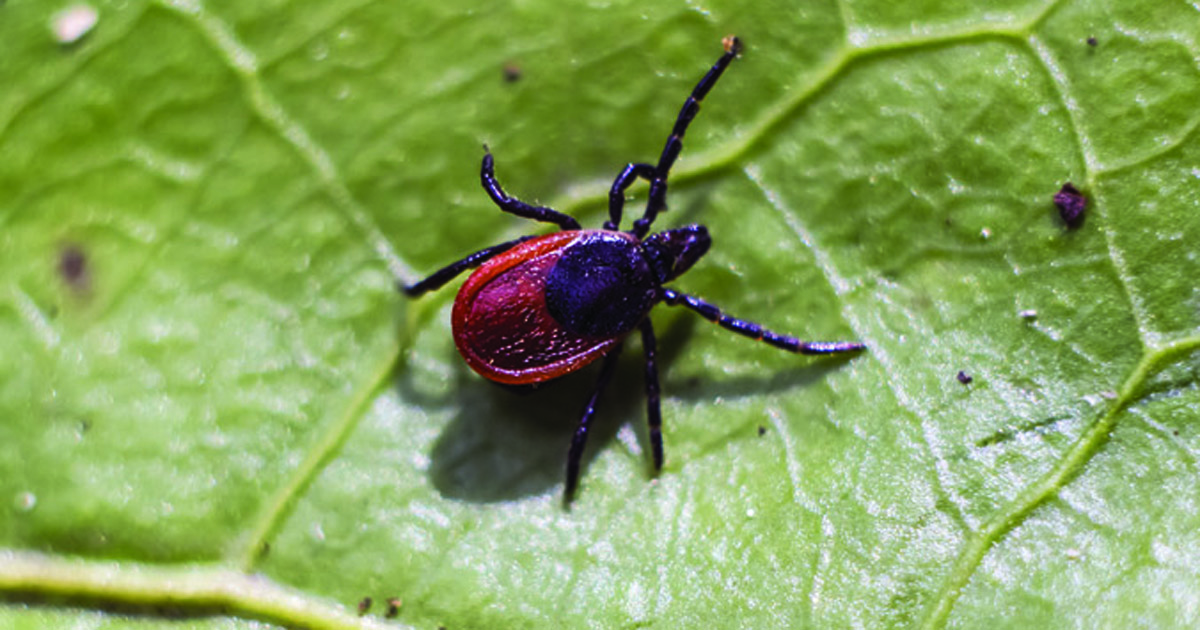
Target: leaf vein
[(1047, 486), (245, 65), (202, 588), (319, 455)]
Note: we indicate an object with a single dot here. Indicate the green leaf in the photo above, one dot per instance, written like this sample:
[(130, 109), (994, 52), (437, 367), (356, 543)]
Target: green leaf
[(215, 410)]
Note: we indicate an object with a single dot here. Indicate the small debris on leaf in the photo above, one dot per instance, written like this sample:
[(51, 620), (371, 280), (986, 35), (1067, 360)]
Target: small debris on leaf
[(512, 72), (1092, 41), (393, 607), (762, 430), (964, 378), (1027, 314), (25, 501), (1071, 204), (73, 22), (363, 606)]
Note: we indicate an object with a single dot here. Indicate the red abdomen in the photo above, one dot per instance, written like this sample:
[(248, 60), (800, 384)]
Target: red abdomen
[(502, 327)]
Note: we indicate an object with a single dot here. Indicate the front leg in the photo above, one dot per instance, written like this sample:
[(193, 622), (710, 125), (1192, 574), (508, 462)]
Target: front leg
[(616, 194)]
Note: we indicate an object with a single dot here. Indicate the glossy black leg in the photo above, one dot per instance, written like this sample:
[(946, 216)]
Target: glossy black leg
[(658, 185), (754, 331), (447, 273), (653, 404), (512, 205), (616, 195), (579, 439)]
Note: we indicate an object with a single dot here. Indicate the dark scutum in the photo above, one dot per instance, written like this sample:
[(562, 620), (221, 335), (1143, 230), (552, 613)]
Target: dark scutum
[(601, 287)]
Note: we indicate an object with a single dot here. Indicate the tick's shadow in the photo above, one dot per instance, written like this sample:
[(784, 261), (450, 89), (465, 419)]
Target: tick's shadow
[(508, 444), (505, 445)]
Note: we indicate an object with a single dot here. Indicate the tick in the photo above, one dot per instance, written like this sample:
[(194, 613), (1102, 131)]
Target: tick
[(539, 307)]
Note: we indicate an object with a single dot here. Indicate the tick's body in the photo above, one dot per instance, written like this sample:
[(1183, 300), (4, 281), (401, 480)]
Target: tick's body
[(541, 307), (552, 305)]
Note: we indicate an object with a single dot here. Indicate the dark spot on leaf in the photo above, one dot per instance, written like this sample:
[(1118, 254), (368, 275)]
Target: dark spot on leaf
[(1175, 432), (72, 266), (364, 605), (1071, 204), (1092, 41), (762, 430), (264, 550), (393, 607), (964, 378), (512, 72)]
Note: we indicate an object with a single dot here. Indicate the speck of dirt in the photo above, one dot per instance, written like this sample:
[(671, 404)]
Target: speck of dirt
[(1091, 41), (762, 430), (1071, 205), (512, 72), (964, 378), (364, 605), (393, 607)]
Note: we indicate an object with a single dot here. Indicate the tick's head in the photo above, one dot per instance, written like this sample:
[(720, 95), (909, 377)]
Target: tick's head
[(673, 252)]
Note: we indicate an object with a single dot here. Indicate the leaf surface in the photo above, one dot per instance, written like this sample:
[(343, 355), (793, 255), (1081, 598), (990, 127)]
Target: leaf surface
[(217, 412)]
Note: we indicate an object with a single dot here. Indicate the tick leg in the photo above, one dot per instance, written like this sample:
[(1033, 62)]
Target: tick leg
[(447, 273), (616, 195), (512, 205), (579, 439), (754, 331), (658, 185), (653, 407)]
